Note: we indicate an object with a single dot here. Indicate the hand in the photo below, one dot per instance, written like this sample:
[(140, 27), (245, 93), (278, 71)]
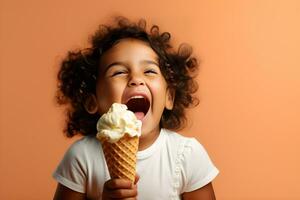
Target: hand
[(120, 189)]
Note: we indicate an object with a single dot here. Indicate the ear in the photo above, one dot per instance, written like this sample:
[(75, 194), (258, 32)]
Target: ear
[(170, 96), (90, 104)]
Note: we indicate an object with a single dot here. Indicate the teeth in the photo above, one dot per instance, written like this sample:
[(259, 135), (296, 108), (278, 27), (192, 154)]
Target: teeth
[(137, 97)]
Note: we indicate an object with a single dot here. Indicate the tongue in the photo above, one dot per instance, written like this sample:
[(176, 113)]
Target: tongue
[(139, 115)]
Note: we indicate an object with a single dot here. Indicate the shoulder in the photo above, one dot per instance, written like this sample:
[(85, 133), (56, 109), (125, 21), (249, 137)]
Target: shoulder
[(197, 169), (176, 139), (182, 146), (83, 147), (189, 148), (85, 142), (79, 156), (173, 136), (73, 170)]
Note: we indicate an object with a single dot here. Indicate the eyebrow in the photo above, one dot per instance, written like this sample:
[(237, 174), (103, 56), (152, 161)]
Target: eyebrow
[(150, 62), (112, 64), (124, 64)]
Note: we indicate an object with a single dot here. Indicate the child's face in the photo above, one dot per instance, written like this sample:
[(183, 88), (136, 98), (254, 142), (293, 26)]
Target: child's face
[(130, 74)]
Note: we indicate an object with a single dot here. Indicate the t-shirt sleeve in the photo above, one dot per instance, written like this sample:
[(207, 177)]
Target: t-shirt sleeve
[(198, 169), (71, 170)]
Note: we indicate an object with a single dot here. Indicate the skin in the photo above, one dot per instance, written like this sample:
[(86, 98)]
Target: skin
[(130, 68)]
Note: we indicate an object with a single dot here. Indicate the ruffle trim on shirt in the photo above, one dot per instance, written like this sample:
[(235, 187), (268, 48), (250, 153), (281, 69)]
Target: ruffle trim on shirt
[(177, 179)]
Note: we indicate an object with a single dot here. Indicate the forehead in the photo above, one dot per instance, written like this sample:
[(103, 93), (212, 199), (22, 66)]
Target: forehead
[(129, 49)]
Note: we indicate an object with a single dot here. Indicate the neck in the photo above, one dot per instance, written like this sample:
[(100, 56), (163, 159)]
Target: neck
[(147, 139)]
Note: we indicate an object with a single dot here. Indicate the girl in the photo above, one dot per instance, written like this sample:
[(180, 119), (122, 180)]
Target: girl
[(126, 64)]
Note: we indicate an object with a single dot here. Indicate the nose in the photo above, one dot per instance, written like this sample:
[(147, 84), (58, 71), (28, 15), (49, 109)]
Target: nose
[(136, 80)]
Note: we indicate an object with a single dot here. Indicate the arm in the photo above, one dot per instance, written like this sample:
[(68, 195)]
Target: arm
[(204, 193), (64, 193)]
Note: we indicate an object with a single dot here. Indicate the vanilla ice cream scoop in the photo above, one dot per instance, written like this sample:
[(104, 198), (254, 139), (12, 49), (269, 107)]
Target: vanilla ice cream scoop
[(117, 122)]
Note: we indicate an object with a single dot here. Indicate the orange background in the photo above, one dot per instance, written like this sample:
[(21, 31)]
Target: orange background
[(248, 118)]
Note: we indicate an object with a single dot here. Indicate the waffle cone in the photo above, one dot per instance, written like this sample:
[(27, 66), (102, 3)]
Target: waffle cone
[(121, 157)]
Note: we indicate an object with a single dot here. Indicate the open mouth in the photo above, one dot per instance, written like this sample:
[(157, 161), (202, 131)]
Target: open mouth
[(139, 106)]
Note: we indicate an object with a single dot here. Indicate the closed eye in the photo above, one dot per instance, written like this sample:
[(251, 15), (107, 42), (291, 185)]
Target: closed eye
[(151, 71), (118, 73)]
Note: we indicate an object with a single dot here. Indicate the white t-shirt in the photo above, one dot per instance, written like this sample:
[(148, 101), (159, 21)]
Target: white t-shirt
[(172, 165)]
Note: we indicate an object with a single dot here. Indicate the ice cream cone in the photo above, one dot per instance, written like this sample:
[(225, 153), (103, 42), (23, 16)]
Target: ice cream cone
[(121, 157), (118, 132)]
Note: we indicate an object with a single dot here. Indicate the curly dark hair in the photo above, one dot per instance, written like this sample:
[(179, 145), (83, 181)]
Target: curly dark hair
[(78, 72)]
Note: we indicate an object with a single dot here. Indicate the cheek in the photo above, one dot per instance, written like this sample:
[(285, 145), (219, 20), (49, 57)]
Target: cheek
[(108, 93), (159, 85), (159, 88)]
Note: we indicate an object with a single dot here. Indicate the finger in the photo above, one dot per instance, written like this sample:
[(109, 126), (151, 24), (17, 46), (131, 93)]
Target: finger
[(122, 193), (137, 178), (113, 184)]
